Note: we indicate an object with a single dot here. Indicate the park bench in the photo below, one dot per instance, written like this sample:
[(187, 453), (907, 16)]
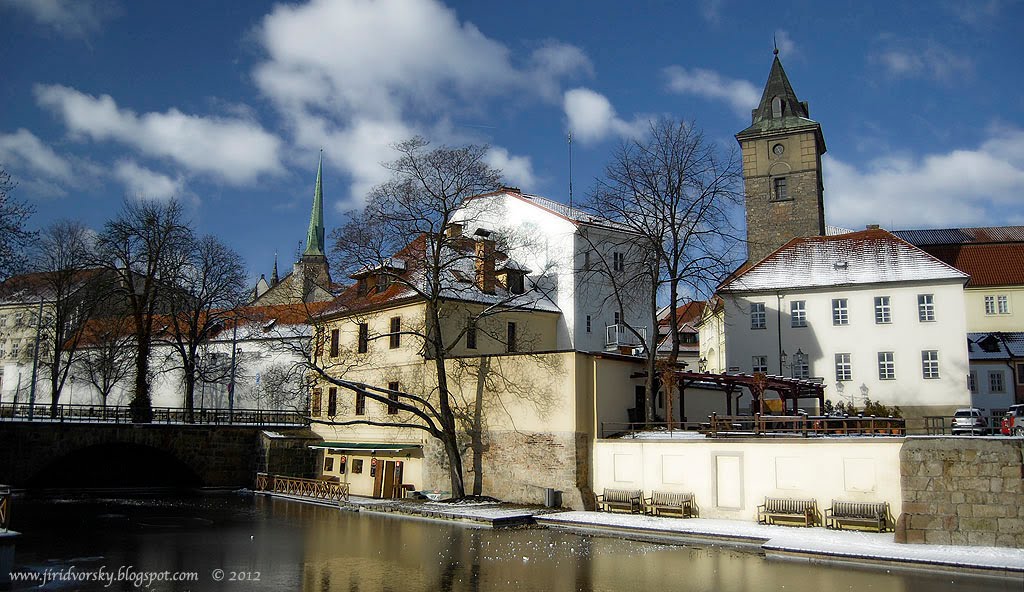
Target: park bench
[(873, 514), (788, 509), (626, 500), (666, 501)]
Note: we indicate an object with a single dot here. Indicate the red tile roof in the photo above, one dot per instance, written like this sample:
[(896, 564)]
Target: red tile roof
[(994, 264)]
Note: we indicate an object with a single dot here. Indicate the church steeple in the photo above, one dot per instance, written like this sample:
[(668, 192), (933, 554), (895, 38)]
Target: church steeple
[(273, 276), (315, 234), (782, 151)]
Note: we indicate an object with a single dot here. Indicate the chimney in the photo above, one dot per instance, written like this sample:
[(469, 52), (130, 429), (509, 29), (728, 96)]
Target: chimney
[(453, 230), (510, 189), (485, 265), (871, 227)]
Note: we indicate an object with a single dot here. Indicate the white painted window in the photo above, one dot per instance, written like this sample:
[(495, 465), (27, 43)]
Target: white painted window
[(995, 382), (844, 369), (18, 318), (972, 382), (1003, 304), (930, 363), (759, 364), (840, 312), (798, 313), (801, 369), (757, 315), (886, 366), (883, 310), (618, 318), (926, 308), (3, 320), (14, 348), (990, 305)]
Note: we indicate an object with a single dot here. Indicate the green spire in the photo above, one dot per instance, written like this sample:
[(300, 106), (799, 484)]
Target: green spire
[(315, 235)]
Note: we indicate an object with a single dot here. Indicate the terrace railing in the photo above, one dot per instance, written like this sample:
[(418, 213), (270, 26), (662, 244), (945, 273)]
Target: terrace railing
[(161, 415), (324, 489), (759, 426)]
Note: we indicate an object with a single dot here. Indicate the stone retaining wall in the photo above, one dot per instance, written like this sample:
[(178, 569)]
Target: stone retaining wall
[(962, 491)]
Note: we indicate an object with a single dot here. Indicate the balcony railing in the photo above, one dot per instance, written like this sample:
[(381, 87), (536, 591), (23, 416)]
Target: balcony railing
[(314, 488), (622, 336)]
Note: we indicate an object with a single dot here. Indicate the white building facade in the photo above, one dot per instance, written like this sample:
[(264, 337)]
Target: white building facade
[(866, 313)]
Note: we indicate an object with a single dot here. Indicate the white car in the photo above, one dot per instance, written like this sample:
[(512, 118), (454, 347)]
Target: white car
[(969, 421)]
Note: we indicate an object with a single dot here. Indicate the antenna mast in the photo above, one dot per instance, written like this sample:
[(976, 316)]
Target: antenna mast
[(570, 169)]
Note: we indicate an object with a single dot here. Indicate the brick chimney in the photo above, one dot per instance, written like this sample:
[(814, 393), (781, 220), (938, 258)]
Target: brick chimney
[(485, 265)]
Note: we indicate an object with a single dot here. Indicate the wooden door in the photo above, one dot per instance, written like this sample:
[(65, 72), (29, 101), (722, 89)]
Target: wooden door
[(389, 479), (378, 477)]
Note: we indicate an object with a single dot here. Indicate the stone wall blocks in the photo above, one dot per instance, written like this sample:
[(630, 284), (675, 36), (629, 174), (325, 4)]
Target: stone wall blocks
[(1010, 525), (936, 537)]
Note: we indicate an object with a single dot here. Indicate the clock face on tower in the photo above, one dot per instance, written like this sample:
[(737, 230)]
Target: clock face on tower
[(778, 149)]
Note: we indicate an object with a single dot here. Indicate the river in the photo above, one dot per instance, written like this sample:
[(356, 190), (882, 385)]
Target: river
[(240, 542)]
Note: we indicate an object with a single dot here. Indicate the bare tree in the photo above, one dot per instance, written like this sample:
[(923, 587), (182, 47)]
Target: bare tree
[(144, 248), (209, 287), (676, 190), (107, 353), (61, 261), (405, 238), (13, 236)]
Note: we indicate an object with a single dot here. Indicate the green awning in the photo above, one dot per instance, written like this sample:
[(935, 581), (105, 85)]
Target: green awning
[(370, 446)]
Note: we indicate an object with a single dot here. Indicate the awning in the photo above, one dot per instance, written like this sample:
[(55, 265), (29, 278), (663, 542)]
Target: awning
[(368, 446)]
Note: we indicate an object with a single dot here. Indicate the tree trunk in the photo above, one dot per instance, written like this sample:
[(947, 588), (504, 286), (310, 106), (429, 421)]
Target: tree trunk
[(652, 355), (477, 433), (142, 405), (189, 380), (447, 417)]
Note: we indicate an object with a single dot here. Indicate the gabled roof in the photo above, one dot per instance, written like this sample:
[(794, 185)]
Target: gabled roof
[(866, 257), (1000, 264), (995, 346), (574, 215)]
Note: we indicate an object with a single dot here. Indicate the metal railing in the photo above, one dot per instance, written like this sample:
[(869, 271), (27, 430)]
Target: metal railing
[(620, 335), (758, 426), (324, 489), (161, 415), (5, 507)]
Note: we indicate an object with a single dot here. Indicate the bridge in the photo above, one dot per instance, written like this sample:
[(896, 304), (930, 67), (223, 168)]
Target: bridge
[(88, 452)]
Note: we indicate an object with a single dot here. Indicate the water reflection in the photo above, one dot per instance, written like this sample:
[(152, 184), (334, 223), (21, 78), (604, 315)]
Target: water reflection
[(301, 547)]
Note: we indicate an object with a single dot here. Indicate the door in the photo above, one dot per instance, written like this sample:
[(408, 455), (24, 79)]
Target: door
[(388, 491)]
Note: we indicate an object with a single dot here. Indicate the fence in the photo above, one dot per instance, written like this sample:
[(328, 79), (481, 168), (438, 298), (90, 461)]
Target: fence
[(314, 488), (161, 415), (759, 426)]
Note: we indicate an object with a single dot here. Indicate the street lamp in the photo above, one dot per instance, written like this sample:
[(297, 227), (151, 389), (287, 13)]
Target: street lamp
[(702, 365)]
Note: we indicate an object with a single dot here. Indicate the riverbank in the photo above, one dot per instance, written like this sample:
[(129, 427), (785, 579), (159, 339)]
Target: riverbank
[(815, 545)]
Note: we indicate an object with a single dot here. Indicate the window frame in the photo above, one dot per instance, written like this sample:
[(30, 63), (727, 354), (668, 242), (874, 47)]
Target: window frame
[(798, 313), (840, 312), (926, 308), (335, 342), (883, 310), (471, 333), (618, 261), (994, 377), (1002, 304), (316, 402), (758, 316), (1020, 373), (930, 364), (360, 403), (990, 305), (759, 364), (332, 401), (844, 367), (801, 366), (511, 344), (395, 334), (886, 365), (780, 189), (972, 382)]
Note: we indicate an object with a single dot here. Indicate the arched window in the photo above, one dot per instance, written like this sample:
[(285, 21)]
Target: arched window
[(776, 107)]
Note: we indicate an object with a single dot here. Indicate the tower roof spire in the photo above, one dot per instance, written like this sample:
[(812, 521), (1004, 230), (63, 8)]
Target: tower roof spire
[(779, 110), (273, 276), (315, 235)]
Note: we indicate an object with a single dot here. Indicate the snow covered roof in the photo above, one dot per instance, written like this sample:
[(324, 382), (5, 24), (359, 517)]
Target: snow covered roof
[(995, 346), (866, 257), (572, 214), (960, 236)]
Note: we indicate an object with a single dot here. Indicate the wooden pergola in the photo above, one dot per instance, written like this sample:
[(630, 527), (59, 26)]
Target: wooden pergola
[(790, 390)]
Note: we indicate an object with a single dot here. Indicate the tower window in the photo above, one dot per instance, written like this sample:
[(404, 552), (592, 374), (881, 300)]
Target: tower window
[(776, 108), (781, 191)]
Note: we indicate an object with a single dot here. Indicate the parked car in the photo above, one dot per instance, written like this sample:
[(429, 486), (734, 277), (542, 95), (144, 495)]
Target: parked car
[(969, 421), (1013, 422)]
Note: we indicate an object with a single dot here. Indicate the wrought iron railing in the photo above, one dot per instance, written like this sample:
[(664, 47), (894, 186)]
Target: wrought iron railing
[(324, 489), (621, 335), (759, 425), (161, 415)]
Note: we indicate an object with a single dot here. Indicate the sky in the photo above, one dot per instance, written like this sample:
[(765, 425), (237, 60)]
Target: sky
[(226, 105)]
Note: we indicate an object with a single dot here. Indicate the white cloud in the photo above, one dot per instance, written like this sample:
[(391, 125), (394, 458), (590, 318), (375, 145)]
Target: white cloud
[(23, 149), (592, 117), (72, 18), (235, 150), (740, 95), (787, 48), (711, 10), (143, 183), (906, 59), (957, 188), (357, 76), (517, 170)]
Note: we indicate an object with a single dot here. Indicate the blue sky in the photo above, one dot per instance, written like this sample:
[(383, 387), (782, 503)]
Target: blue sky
[(225, 105)]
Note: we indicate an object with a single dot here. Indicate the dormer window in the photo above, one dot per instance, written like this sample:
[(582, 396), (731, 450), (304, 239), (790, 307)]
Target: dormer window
[(383, 282), (516, 282), (776, 107), (361, 287)]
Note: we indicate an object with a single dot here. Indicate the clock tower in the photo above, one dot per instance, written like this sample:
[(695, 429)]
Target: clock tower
[(782, 151)]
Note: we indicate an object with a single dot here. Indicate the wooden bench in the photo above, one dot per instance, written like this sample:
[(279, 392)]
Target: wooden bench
[(666, 501), (873, 514), (626, 500), (792, 509)]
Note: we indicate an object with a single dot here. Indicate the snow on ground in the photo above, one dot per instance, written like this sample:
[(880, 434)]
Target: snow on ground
[(809, 540), (664, 435)]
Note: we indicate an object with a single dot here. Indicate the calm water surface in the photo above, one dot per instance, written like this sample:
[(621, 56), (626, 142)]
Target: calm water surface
[(280, 545)]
